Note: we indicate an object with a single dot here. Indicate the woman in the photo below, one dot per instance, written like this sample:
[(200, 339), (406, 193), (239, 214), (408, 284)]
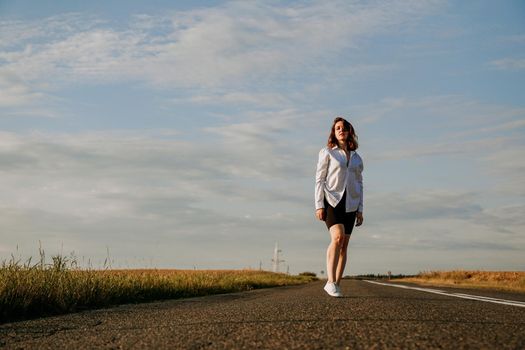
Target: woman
[(339, 197)]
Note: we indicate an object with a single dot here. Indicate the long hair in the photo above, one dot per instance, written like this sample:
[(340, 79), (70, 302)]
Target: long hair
[(351, 141)]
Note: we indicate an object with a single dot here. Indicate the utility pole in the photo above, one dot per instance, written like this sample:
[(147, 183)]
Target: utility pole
[(276, 260)]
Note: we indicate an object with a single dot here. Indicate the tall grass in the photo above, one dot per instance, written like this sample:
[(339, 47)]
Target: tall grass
[(503, 280), (60, 287)]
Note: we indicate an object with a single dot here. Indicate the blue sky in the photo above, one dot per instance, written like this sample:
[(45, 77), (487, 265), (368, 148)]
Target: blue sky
[(186, 135)]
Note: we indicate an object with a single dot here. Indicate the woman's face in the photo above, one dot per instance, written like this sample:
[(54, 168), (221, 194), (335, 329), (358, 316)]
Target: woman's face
[(340, 133)]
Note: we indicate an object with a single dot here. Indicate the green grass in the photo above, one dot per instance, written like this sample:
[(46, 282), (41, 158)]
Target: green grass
[(31, 291)]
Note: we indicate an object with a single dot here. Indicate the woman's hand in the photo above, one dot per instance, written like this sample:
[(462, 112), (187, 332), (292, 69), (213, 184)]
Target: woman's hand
[(359, 219), (321, 214)]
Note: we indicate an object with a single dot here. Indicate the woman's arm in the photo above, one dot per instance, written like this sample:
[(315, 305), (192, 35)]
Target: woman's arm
[(320, 179), (359, 216)]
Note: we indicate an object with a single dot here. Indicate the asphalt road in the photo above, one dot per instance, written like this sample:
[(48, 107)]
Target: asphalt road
[(301, 317)]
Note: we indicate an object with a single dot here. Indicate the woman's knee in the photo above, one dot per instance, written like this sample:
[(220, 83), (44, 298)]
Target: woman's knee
[(344, 244), (337, 232)]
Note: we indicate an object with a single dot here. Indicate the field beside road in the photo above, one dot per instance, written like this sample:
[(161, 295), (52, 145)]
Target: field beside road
[(513, 281), (31, 291)]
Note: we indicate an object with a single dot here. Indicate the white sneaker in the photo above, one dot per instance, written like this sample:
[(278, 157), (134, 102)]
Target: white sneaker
[(338, 290), (332, 289)]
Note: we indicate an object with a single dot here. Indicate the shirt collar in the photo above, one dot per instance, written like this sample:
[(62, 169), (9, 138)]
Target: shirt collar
[(337, 147)]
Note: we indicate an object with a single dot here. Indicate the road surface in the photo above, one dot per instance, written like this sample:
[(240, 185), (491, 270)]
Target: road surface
[(371, 316)]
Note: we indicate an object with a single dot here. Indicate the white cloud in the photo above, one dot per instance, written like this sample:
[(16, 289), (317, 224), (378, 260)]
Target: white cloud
[(450, 147), (97, 55), (234, 43), (437, 229), (223, 55), (15, 92), (450, 111), (99, 175), (432, 244), (507, 167), (146, 193), (258, 100), (19, 98), (14, 33), (419, 205), (503, 125), (438, 125), (509, 63), (128, 190), (441, 220), (514, 39)]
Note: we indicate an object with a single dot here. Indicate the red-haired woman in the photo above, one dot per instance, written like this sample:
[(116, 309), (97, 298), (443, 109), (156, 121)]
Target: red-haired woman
[(339, 197)]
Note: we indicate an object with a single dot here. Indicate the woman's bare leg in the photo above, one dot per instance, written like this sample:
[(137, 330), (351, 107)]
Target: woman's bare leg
[(342, 259), (337, 234)]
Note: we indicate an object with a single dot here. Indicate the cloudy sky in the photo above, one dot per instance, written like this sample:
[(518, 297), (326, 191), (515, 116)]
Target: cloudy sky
[(186, 134)]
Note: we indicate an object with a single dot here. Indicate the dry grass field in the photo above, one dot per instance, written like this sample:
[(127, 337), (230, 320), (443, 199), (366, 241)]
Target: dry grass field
[(503, 280), (31, 291)]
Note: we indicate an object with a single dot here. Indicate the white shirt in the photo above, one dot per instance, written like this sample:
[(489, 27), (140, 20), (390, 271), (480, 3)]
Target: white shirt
[(334, 176)]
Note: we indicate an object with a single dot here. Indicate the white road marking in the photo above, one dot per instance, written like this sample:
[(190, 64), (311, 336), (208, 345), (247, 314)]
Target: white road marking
[(457, 295)]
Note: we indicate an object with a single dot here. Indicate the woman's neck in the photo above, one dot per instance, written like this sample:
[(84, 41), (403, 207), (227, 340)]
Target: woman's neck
[(343, 146)]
